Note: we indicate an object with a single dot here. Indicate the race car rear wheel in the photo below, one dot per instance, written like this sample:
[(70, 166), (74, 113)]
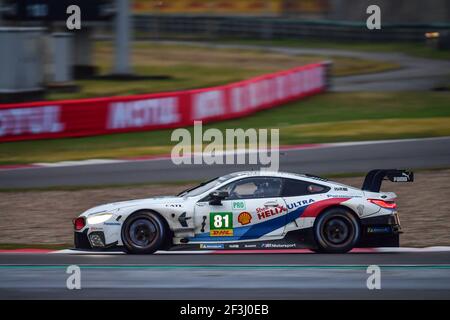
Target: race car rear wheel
[(144, 232), (336, 230)]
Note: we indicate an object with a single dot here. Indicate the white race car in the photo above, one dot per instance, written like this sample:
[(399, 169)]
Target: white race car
[(249, 210)]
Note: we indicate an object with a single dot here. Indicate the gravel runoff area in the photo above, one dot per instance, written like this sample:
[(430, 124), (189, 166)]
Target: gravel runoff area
[(44, 217)]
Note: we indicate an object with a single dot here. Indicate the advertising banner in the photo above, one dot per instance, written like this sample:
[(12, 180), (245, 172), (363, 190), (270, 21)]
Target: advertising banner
[(88, 117)]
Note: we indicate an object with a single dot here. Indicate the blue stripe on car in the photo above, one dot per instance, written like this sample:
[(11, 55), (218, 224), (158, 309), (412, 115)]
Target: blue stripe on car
[(255, 231)]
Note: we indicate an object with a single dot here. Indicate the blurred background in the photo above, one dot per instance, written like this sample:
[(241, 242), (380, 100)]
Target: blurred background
[(43, 59), (388, 83), (126, 47)]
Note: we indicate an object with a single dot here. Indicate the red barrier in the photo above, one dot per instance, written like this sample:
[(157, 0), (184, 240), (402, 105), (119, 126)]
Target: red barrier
[(88, 117)]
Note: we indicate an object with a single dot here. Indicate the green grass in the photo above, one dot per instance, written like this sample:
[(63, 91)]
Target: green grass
[(418, 49), (189, 67), (50, 246), (323, 118), (181, 77)]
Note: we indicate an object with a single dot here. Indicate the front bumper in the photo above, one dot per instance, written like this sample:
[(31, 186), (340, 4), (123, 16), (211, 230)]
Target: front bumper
[(93, 240), (81, 240)]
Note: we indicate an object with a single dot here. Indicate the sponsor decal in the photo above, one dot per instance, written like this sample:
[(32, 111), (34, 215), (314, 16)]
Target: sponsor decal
[(233, 246), (212, 246), (379, 230), (221, 224), (400, 179), (278, 245), (221, 233), (300, 203), (244, 218), (238, 205), (111, 223), (95, 229), (264, 213), (173, 205), (250, 246), (340, 189), (342, 196), (404, 178)]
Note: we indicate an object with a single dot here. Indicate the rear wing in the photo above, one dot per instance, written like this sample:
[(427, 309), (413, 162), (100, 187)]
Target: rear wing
[(375, 178)]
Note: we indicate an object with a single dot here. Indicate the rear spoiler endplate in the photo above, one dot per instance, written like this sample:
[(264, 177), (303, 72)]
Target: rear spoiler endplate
[(375, 178)]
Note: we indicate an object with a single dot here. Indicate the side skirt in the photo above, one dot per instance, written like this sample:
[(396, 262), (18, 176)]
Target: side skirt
[(297, 239)]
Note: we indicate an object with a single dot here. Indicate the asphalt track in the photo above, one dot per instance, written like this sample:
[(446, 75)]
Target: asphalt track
[(230, 276), (339, 158)]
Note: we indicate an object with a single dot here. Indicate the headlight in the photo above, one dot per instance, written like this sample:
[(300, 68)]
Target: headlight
[(99, 218)]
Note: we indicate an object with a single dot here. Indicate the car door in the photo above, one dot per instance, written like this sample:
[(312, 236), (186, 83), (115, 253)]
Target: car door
[(254, 209), (298, 195)]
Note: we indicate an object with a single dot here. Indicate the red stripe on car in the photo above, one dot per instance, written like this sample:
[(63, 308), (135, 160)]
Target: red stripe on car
[(315, 208)]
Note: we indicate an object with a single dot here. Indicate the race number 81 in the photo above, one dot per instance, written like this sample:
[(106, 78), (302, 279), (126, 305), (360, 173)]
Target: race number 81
[(221, 224)]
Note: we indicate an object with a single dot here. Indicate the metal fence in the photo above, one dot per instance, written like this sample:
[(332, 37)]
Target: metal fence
[(212, 27)]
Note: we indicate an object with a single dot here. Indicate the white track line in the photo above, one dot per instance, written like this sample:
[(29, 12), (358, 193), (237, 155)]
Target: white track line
[(78, 163)]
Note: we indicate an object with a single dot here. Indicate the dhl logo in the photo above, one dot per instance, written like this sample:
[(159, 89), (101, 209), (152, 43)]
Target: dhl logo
[(221, 233)]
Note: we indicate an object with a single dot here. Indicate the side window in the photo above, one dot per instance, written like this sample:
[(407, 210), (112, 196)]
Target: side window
[(257, 187), (293, 187)]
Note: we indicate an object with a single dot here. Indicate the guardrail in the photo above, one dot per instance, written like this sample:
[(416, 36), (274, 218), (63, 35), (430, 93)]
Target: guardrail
[(174, 26), (88, 117)]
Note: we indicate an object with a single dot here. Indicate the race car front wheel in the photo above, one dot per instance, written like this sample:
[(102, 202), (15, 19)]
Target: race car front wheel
[(336, 230), (144, 232)]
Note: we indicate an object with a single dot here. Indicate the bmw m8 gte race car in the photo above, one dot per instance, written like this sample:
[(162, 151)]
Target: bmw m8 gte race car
[(250, 210)]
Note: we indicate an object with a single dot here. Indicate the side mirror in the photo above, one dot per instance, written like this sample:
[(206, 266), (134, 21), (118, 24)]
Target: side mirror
[(216, 197)]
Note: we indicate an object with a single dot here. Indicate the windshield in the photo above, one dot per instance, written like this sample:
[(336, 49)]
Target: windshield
[(204, 186)]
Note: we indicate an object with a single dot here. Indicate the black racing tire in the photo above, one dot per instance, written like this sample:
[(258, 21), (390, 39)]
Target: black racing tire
[(144, 232), (336, 230)]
